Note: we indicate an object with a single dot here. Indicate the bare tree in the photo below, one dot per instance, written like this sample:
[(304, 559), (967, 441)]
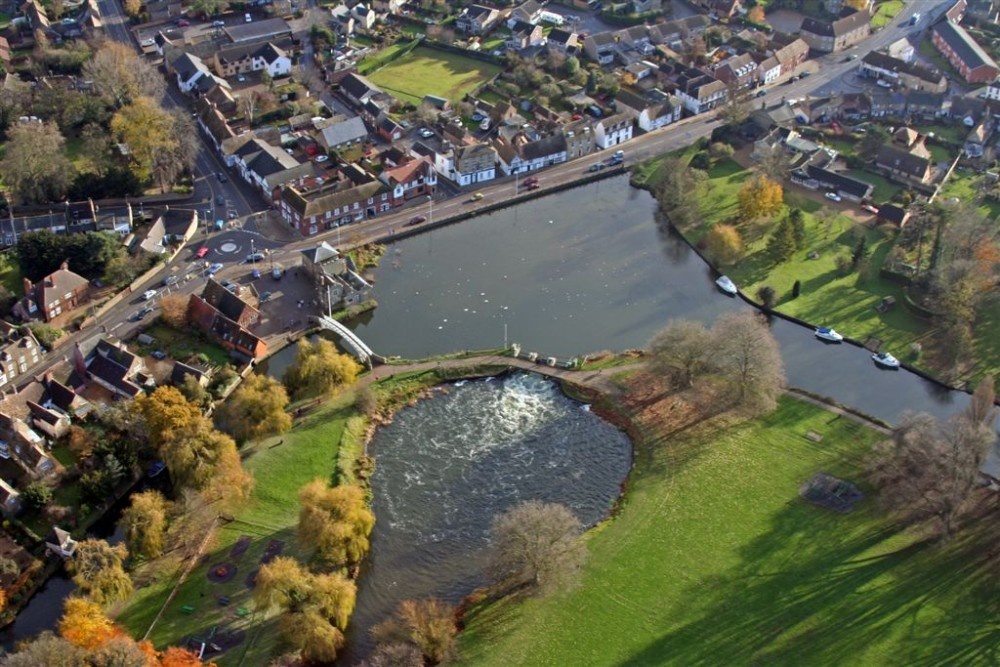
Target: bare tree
[(746, 356), (120, 77), (678, 193), (254, 100), (736, 107), (428, 625), (929, 470), (681, 350), (773, 163), (538, 547), (398, 654)]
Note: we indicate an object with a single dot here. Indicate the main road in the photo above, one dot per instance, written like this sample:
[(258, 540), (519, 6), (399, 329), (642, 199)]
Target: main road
[(230, 248)]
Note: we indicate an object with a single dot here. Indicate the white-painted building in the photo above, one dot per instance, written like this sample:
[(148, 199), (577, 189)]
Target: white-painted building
[(613, 130)]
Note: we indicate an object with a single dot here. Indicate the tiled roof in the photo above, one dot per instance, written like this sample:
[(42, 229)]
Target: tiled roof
[(961, 42)]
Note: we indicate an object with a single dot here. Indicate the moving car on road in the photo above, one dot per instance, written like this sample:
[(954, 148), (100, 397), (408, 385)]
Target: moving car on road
[(415, 220), (201, 252), (148, 294)]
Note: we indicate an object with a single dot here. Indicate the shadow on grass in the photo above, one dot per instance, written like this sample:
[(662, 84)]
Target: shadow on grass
[(828, 599)]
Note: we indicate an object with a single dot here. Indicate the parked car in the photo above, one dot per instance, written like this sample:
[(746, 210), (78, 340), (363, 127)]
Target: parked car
[(170, 280), (159, 354), (416, 220), (596, 167), (322, 158), (265, 296), (222, 177), (255, 257), (148, 294), (215, 268), (233, 214), (832, 196), (201, 252), (805, 74), (247, 17), (218, 24), (183, 23), (425, 133), (761, 93)]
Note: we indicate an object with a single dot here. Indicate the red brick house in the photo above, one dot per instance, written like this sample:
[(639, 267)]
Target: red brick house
[(218, 324), (964, 54), (60, 292)]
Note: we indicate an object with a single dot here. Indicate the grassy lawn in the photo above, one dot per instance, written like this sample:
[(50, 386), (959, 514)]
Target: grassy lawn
[(930, 52), (962, 184), (714, 560), (280, 466), (10, 273), (74, 151), (885, 11), (427, 71), (885, 190), (957, 132), (181, 345)]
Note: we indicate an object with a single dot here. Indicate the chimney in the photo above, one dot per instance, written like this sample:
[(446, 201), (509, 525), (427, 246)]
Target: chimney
[(65, 265)]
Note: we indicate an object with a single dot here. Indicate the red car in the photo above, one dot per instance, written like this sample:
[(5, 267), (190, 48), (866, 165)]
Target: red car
[(531, 182), (183, 23), (201, 252)]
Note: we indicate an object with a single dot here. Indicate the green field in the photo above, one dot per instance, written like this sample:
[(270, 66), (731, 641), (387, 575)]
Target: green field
[(885, 12), (962, 185), (428, 71), (714, 560), (280, 466)]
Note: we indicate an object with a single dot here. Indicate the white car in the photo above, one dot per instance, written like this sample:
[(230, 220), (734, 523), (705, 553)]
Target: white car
[(425, 133), (148, 294), (832, 196), (322, 158)]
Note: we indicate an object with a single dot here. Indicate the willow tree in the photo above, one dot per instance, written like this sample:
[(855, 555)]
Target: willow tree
[(335, 522)]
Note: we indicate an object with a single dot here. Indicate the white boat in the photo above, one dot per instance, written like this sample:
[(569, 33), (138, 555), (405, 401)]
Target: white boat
[(829, 335), (726, 285), (885, 360)]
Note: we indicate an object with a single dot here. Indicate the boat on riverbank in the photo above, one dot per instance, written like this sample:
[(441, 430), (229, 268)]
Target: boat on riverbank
[(885, 360), (829, 335), (726, 285)]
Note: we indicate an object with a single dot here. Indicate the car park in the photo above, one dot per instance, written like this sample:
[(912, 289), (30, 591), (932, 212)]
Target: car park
[(201, 252), (215, 268), (148, 294), (832, 196)]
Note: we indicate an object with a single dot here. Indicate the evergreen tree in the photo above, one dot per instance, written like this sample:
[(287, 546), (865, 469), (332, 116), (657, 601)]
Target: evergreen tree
[(781, 246)]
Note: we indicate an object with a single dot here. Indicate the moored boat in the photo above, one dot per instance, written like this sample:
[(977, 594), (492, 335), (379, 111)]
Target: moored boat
[(726, 285), (828, 334), (885, 360)]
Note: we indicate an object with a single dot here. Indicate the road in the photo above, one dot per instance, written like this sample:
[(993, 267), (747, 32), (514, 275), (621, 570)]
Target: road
[(231, 247)]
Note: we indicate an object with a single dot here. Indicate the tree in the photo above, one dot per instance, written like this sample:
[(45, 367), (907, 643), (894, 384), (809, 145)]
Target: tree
[(773, 163), (859, 5), (39, 253), (759, 196), (781, 246), (83, 624), (35, 166), (720, 149), (194, 392), (796, 289), (679, 191), (736, 107), (145, 523), (724, 244), (335, 522), (46, 650), (95, 145), (756, 14), (174, 311), (37, 495), (859, 252), (428, 625), (746, 356), (146, 129), (100, 571), (256, 409), (168, 415), (537, 546), (316, 607), (208, 7), (681, 350), (797, 219), (929, 470), (133, 7), (875, 137), (120, 77), (366, 402), (767, 297), (253, 100), (319, 369), (571, 66), (396, 654)]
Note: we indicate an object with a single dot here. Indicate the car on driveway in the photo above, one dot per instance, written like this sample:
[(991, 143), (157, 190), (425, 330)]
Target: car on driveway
[(183, 23), (148, 294), (201, 252), (215, 268), (832, 196), (425, 133), (159, 354)]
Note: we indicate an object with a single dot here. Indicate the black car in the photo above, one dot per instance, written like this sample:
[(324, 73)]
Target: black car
[(415, 221), (222, 178), (220, 200)]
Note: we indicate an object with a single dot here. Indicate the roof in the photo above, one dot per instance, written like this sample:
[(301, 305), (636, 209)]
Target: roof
[(522, 28), (560, 36), (187, 65), (892, 213), (225, 301), (255, 30), (632, 100), (340, 197), (404, 173), (550, 145), (320, 253), (887, 62), (897, 158), (180, 372), (269, 52), (966, 48), (841, 26), (114, 365), (358, 86), (344, 132), (844, 183), (58, 283), (478, 12)]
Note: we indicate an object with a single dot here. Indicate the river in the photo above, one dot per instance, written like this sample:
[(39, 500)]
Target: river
[(590, 269)]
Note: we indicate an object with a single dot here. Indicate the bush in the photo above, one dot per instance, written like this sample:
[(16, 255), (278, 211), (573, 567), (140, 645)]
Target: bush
[(720, 150), (366, 402), (46, 334), (844, 264), (37, 495), (701, 160)]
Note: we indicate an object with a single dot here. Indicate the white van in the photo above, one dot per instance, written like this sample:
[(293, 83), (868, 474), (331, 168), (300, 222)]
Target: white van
[(247, 17)]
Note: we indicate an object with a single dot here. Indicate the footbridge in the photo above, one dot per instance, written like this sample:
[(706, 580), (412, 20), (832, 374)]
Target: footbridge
[(350, 340)]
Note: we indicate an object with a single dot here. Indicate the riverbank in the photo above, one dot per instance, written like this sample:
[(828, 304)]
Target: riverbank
[(826, 295), (713, 558)]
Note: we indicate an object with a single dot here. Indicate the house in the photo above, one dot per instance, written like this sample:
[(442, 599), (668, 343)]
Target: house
[(389, 129), (19, 351), (969, 110), (876, 65), (522, 35), (243, 58), (977, 139), (848, 187), (257, 160), (893, 215), (61, 543), (58, 293), (845, 31), (112, 366), (192, 72), (344, 134), (335, 277), (613, 130), (920, 104), (522, 155), (527, 12), (580, 139), (768, 70), (901, 49), (992, 90), (332, 204), (563, 41), (416, 178), (181, 372), (903, 164), (855, 106), (698, 91), (790, 51), (963, 52), (358, 89), (473, 164), (364, 18), (651, 112), (10, 499), (600, 47), (229, 304), (221, 329), (22, 444), (737, 71), (887, 104), (478, 20)]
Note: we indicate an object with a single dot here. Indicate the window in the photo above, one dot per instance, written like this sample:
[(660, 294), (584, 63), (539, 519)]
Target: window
[(385, 195), (68, 295)]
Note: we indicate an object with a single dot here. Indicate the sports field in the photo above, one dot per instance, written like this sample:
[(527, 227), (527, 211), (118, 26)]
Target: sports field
[(428, 71)]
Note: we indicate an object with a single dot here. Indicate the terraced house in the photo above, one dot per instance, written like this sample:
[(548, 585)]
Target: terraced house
[(964, 54), (310, 206), (832, 36)]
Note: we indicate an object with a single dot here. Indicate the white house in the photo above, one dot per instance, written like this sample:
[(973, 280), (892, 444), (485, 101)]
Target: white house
[(518, 158), (768, 70), (992, 90), (613, 130), (190, 69), (473, 164), (273, 59), (657, 109), (416, 178)]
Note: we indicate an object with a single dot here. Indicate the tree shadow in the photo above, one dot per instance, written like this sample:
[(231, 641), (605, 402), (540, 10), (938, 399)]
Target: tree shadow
[(829, 598)]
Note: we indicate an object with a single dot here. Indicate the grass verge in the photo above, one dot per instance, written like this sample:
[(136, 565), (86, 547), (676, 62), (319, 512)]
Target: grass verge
[(714, 560)]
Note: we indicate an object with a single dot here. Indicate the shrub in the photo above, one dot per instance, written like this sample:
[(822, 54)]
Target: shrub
[(37, 495)]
